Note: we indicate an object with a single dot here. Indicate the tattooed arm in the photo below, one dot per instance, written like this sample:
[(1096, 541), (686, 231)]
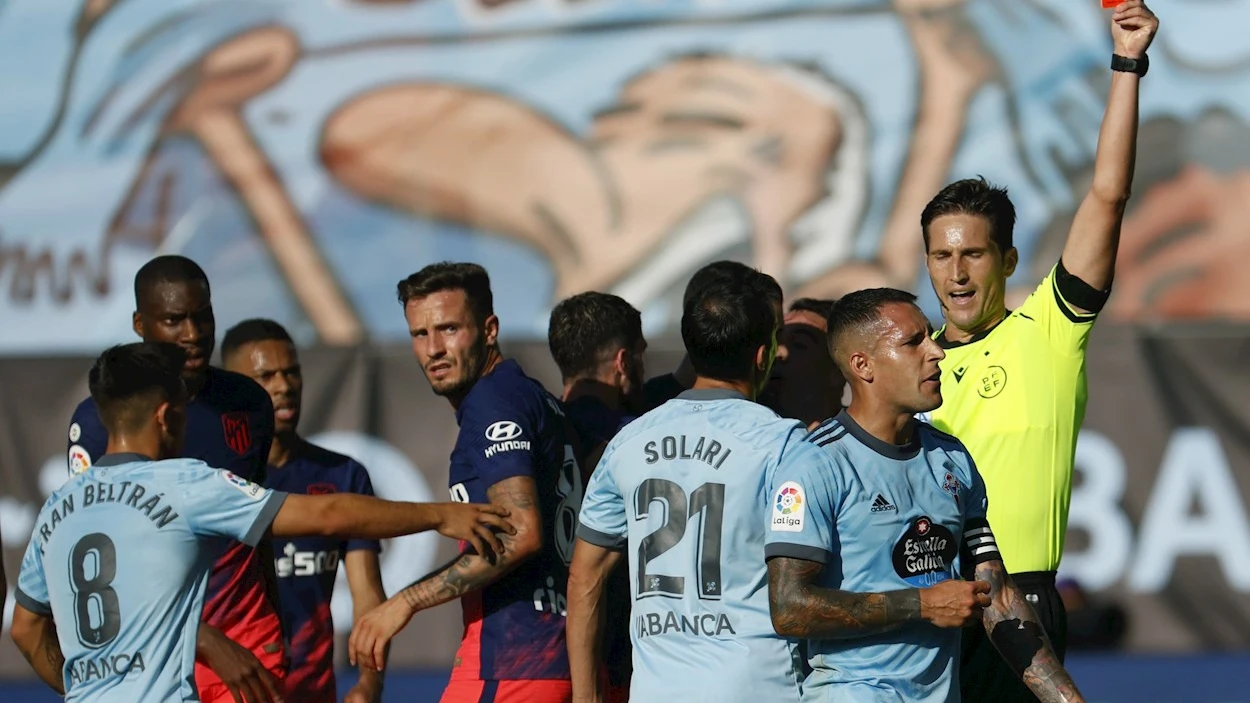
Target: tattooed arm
[(1014, 629), (800, 608), (35, 636), (372, 633)]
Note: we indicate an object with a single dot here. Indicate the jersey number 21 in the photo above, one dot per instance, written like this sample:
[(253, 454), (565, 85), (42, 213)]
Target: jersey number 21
[(707, 501)]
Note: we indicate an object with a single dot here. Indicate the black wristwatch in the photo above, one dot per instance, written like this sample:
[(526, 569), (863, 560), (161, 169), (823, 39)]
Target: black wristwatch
[(1123, 63)]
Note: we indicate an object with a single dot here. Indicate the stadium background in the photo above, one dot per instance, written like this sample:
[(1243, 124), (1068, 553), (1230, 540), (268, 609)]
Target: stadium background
[(309, 154)]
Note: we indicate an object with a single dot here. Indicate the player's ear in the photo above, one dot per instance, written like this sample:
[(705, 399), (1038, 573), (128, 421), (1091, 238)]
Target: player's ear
[(861, 365), (162, 417), (136, 323), (621, 363), (491, 330), (1010, 260)]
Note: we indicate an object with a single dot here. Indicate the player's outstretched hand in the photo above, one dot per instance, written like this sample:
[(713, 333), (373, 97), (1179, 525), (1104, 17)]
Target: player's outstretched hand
[(1133, 27), (954, 603), (475, 523), (372, 634), (245, 677)]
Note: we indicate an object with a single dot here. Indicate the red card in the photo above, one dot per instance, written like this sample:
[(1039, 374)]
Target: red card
[(1111, 3)]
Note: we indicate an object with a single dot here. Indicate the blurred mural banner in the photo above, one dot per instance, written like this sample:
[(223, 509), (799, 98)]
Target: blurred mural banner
[(310, 153), (1158, 523)]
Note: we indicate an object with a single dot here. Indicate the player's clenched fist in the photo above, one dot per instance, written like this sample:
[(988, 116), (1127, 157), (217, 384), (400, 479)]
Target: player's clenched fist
[(954, 603), (478, 524), (1133, 27)]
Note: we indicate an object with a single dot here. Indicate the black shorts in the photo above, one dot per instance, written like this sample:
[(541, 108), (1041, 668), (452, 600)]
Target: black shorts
[(984, 676)]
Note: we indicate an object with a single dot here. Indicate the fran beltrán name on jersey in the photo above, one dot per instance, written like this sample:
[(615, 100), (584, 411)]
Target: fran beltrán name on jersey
[(133, 495)]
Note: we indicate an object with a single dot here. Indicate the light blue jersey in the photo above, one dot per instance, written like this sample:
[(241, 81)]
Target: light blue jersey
[(883, 518), (685, 488), (120, 560)]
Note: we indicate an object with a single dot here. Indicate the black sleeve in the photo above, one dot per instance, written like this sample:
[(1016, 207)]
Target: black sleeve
[(1074, 291)]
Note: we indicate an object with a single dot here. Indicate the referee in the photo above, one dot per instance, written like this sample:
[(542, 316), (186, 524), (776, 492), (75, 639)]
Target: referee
[(1013, 382)]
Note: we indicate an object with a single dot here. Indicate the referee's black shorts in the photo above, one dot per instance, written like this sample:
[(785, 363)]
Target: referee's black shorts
[(984, 676)]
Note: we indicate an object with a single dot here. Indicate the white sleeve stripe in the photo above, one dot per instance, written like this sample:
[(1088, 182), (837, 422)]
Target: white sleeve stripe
[(976, 531), (978, 541), (987, 549)]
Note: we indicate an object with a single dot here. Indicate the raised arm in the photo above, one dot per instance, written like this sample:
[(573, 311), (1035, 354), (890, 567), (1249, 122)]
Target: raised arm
[(801, 608), (471, 572), (1018, 635), (588, 578), (35, 636), (1090, 251)]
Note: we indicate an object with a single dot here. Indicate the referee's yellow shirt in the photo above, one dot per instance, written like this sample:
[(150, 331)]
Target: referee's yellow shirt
[(1015, 396)]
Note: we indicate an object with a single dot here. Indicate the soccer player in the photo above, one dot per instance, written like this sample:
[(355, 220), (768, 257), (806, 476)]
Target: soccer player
[(113, 580), (230, 427), (513, 450), (665, 387), (805, 385), (262, 350), (863, 548), (684, 490), (597, 342), (1014, 381)]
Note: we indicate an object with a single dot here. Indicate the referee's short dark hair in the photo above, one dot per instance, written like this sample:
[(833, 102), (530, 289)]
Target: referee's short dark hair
[(728, 319), (128, 381), (974, 196), (447, 275), (857, 311), (250, 331), (586, 329)]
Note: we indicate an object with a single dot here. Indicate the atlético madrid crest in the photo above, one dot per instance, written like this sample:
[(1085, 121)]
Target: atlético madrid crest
[(238, 432)]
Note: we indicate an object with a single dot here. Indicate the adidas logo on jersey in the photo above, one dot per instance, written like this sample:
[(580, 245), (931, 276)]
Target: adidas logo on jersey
[(881, 505)]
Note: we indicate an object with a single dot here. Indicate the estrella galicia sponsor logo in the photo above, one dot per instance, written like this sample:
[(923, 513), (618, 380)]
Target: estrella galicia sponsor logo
[(789, 506), (107, 667), (924, 555)]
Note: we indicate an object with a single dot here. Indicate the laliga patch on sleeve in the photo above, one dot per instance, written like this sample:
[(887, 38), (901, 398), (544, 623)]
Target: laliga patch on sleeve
[(244, 486), (79, 460), (789, 507)]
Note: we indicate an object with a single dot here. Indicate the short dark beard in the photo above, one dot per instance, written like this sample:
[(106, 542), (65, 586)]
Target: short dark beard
[(474, 362)]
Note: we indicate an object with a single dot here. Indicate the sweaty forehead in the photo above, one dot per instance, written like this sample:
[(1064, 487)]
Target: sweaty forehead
[(174, 296), (902, 321), (960, 231)]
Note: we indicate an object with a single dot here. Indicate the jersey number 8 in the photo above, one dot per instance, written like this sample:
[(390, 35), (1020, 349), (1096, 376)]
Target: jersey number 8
[(97, 613), (707, 500)]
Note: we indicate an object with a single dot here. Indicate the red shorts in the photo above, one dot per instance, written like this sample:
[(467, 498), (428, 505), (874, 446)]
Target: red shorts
[(213, 689), (519, 691)]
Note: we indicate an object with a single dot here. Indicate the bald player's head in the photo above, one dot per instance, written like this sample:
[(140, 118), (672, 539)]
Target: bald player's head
[(173, 304), (881, 342)]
